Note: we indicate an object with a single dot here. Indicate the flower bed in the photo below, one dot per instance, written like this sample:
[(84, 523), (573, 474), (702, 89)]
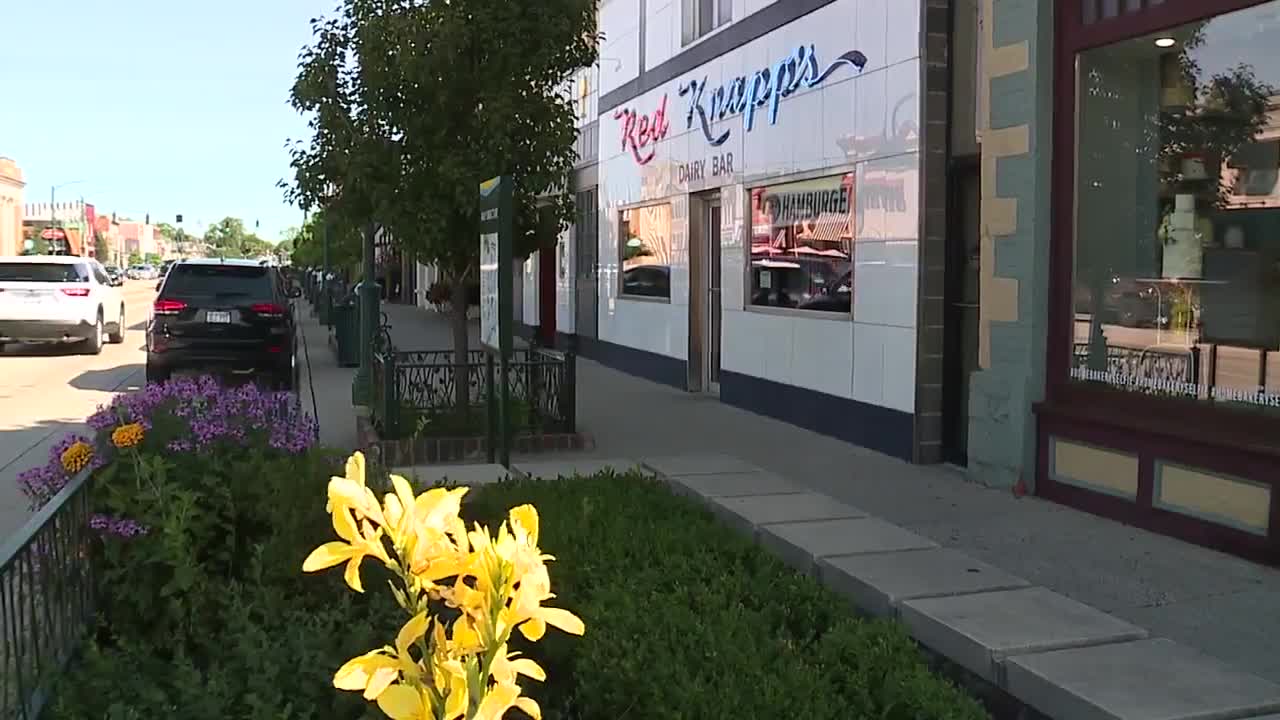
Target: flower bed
[(209, 500)]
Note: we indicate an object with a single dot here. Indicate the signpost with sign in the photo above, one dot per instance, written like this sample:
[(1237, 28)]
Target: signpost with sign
[(496, 287)]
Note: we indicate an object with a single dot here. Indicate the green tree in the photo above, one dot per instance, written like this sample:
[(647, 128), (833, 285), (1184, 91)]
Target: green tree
[(229, 238), (413, 105), (102, 249)]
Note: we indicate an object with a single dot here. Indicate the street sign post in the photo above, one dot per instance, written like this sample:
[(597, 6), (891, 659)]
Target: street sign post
[(496, 231)]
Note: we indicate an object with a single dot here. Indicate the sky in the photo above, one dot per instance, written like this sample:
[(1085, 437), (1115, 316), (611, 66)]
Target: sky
[(157, 106)]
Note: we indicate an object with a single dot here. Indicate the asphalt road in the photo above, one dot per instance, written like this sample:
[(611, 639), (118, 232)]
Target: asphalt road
[(47, 391)]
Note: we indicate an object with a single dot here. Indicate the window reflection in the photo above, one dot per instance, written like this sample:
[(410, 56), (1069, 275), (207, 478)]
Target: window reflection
[(801, 240), (1177, 258), (646, 251)]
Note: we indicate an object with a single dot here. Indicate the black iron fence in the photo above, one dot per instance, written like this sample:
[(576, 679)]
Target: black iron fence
[(46, 599), (418, 392)]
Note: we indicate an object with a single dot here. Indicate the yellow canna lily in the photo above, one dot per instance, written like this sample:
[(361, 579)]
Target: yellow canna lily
[(406, 702), (498, 582), (371, 673), (351, 491), (506, 666), (502, 698), (359, 542)]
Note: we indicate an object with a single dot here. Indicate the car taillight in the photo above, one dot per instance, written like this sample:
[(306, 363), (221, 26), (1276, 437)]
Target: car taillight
[(168, 307), (76, 292), (268, 309)]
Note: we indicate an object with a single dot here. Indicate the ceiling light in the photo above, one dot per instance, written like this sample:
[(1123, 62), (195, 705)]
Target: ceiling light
[(1165, 42)]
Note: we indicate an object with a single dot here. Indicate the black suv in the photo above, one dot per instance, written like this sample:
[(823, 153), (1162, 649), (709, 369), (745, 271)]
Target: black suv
[(221, 316)]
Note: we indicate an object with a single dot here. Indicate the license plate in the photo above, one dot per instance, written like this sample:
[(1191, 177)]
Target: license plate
[(217, 317)]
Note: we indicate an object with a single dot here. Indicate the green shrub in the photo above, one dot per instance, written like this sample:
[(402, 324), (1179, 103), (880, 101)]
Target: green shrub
[(687, 619)]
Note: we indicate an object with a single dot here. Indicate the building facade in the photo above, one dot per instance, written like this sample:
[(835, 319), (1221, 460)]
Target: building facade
[(11, 207), (759, 216), (1029, 237)]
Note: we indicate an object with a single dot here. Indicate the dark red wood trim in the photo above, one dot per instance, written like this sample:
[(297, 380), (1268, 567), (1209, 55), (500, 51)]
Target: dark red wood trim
[(1078, 36), (1061, 210), (1143, 514)]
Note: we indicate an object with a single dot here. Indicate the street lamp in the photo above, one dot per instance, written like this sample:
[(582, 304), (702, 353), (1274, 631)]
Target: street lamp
[(53, 199)]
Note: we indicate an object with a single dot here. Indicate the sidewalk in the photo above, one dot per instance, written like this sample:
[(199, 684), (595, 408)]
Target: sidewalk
[(325, 388), (1215, 603)]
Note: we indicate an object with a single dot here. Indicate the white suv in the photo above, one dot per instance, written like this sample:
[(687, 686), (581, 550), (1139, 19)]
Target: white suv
[(59, 299)]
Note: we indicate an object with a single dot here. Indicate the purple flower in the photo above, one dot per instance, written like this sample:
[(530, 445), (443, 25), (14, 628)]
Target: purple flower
[(120, 527)]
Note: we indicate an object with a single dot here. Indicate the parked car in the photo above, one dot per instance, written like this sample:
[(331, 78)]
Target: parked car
[(59, 299), (226, 317)]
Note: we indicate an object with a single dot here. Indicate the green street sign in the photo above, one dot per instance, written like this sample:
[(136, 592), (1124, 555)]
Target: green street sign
[(496, 287)]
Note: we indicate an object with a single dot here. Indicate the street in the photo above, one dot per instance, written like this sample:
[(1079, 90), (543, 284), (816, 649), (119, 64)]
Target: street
[(46, 391)]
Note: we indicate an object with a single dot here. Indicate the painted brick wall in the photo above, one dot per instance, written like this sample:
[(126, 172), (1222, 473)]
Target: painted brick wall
[(1016, 153)]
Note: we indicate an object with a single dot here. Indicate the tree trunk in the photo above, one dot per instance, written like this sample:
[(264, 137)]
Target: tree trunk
[(461, 368)]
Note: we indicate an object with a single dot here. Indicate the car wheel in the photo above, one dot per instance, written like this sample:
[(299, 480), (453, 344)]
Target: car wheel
[(117, 337), (93, 344)]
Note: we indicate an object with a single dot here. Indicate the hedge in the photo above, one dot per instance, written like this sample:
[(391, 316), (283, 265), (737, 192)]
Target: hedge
[(686, 618)]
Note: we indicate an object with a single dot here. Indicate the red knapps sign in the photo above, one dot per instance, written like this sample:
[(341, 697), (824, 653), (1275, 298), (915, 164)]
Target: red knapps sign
[(641, 132)]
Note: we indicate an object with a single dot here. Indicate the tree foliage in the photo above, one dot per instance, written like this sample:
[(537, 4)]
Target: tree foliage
[(415, 103), (306, 248), (228, 237)]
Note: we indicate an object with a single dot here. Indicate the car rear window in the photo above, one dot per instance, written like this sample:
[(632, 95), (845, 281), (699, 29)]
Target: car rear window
[(43, 272), (221, 281)]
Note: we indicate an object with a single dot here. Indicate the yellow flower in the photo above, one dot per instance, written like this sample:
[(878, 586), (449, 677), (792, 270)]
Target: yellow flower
[(127, 436), (77, 457), (359, 543), (498, 582), (351, 492)]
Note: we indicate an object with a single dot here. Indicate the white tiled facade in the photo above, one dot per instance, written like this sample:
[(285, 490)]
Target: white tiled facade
[(865, 122)]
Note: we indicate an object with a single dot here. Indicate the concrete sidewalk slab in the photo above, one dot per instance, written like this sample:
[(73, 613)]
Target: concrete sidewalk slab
[(980, 631), (1143, 680), (802, 544), (720, 485), (748, 512), (424, 476), (582, 467), (880, 583), (697, 464)]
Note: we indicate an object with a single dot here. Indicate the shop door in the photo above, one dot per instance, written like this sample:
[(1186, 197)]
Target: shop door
[(586, 250), (704, 293), (960, 354)]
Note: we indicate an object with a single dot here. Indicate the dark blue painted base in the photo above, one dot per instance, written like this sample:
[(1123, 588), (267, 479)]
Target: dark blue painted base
[(871, 426), (642, 363)]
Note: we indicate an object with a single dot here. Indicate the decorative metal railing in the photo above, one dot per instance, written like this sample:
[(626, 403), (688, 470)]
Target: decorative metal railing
[(46, 599), (417, 392)]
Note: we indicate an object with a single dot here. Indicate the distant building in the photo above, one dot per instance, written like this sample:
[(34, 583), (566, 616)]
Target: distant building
[(11, 188)]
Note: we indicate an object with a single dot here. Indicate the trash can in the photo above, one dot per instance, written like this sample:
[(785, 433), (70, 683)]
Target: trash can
[(346, 330)]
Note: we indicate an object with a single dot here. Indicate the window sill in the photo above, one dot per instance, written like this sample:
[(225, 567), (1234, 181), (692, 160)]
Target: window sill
[(645, 299), (796, 313), (1171, 418)]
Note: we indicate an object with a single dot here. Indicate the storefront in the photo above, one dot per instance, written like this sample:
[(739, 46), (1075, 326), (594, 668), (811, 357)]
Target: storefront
[(1162, 380), (759, 210)]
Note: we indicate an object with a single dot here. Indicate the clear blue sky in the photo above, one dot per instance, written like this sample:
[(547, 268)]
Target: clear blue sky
[(161, 107)]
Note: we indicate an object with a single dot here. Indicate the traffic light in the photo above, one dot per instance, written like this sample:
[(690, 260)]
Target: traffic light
[(179, 218)]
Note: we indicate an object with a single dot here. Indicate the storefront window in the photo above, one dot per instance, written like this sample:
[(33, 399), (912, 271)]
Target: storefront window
[(1176, 286), (646, 251), (801, 243)]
